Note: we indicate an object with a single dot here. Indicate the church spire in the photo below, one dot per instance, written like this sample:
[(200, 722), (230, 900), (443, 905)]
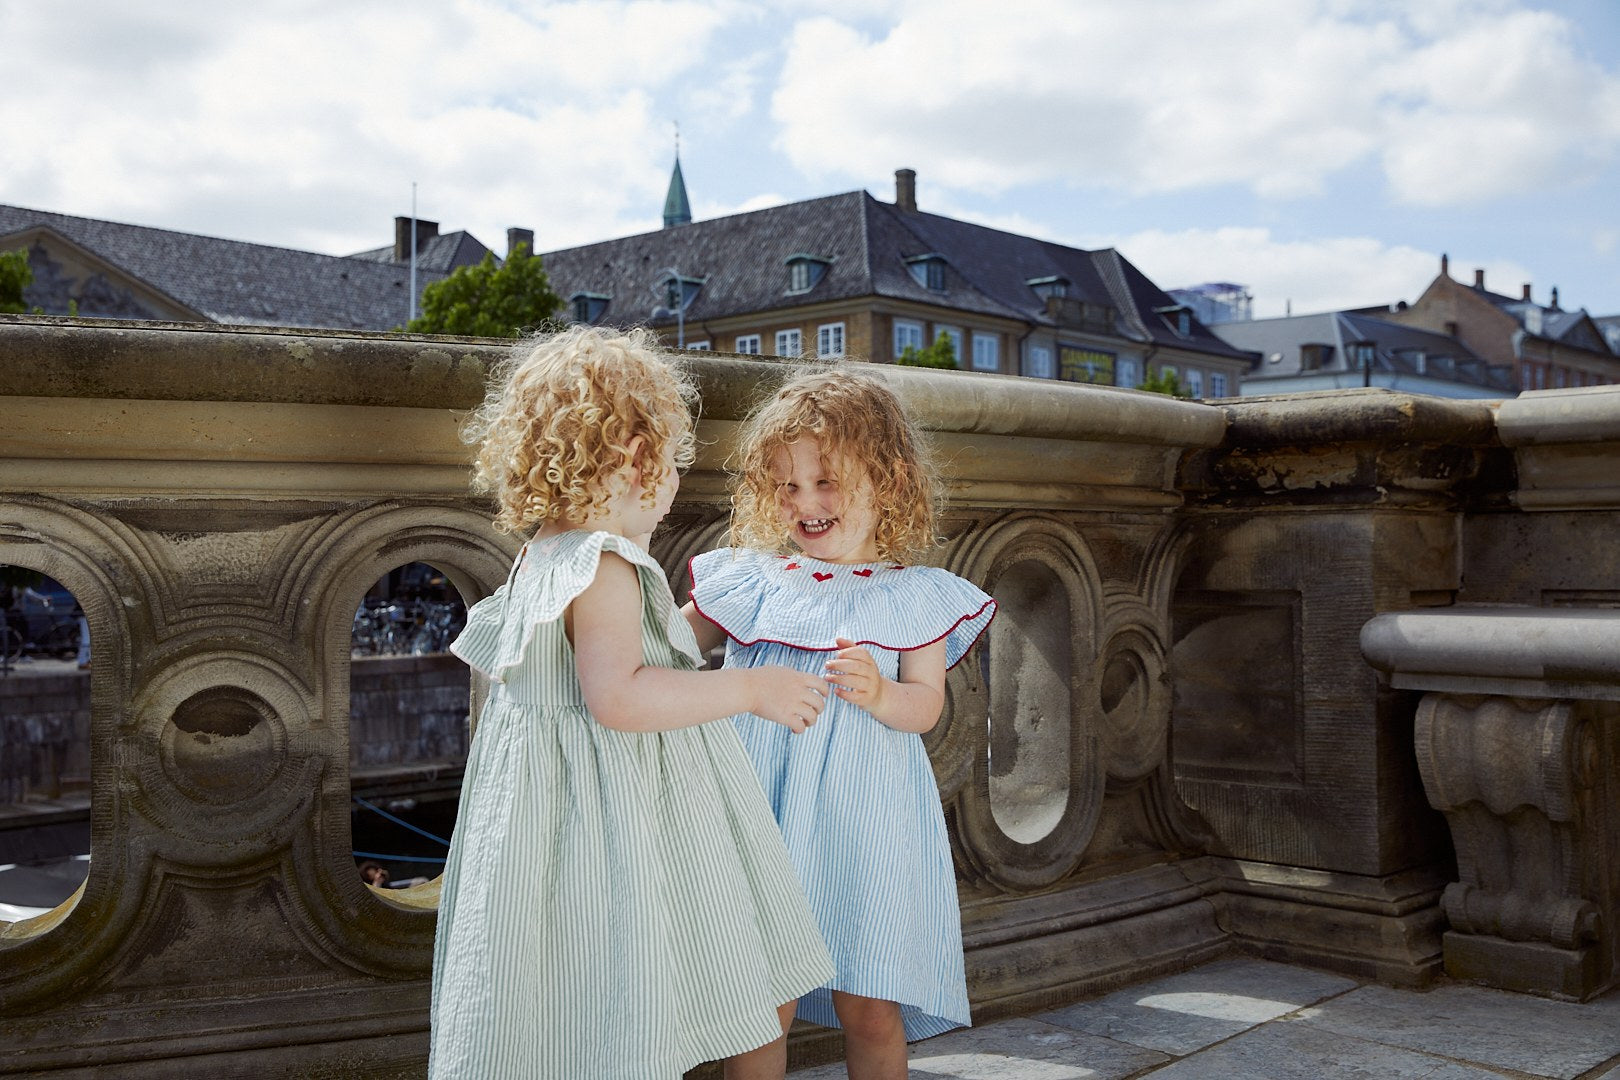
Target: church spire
[(677, 211)]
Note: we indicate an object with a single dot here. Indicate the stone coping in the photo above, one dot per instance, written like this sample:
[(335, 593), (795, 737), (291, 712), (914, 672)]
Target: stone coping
[(1364, 415), (1516, 652), (118, 360), (1546, 417)]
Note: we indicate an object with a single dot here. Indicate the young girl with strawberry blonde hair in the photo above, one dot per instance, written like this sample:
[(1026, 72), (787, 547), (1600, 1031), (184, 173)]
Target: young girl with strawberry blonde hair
[(835, 495)]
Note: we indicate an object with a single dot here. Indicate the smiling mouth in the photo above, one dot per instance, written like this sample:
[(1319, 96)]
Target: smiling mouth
[(816, 526)]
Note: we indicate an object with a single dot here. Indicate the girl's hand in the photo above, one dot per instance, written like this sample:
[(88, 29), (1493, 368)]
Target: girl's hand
[(855, 677), (784, 696)]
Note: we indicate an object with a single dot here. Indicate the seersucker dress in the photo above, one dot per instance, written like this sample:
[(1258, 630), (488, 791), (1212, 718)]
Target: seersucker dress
[(615, 904), (856, 801)]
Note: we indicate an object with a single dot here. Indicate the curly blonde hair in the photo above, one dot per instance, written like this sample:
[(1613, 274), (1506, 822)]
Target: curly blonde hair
[(558, 419), (858, 424)]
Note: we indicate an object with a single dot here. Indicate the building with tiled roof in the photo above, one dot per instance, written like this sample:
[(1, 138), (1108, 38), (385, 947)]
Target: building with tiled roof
[(1543, 345), (850, 275), (108, 269), (1339, 349)]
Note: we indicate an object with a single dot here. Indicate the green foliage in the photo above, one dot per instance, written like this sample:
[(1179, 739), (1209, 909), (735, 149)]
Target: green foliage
[(941, 354), (15, 276), (1164, 382), (488, 300)]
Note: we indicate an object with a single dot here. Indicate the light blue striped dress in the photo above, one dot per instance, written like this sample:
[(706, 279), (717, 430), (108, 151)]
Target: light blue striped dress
[(615, 904), (856, 800)]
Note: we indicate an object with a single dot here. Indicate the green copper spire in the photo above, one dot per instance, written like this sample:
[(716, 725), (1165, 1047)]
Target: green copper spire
[(677, 211)]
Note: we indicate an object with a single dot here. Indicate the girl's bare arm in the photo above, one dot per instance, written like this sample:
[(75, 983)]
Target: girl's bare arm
[(604, 623), (709, 636)]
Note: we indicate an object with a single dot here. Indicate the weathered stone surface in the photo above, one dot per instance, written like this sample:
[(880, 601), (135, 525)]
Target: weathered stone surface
[(1543, 1038), (1282, 1051), (1171, 743), (1179, 1014)]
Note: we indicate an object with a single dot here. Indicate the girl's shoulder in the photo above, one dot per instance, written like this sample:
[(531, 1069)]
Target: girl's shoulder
[(547, 576), (798, 601)]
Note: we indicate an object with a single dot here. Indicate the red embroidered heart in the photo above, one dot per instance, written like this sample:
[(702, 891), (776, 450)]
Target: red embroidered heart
[(791, 565), (862, 573), (820, 576), (897, 567)]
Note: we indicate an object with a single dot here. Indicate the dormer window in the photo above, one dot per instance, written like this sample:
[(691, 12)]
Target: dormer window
[(928, 271), (805, 272), (1179, 317), (679, 291), (1048, 287), (588, 307)]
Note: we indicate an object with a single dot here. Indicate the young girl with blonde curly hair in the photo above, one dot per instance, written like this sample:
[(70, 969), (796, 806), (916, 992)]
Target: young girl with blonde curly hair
[(834, 495), (617, 900)]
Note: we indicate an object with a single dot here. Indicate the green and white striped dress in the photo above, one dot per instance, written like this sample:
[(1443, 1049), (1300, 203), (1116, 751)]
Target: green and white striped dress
[(615, 904)]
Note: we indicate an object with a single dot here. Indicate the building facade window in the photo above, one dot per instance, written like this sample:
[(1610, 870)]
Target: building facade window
[(1217, 384), (986, 352), (907, 335), (697, 346), (789, 343), (1526, 379), (1195, 382), (830, 339), (1127, 373), (955, 336), (1040, 363), (748, 344)]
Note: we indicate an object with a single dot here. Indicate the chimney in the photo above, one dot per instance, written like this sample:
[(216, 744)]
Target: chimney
[(1527, 290), (516, 236), (1479, 278), (1445, 265), (905, 189), (425, 231), (1554, 302)]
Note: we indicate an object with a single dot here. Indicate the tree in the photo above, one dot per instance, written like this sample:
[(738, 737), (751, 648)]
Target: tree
[(941, 354), (15, 276), (488, 300), (1164, 382)]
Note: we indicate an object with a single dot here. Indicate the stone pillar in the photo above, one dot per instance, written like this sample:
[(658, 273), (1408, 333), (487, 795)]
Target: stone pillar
[(1519, 746)]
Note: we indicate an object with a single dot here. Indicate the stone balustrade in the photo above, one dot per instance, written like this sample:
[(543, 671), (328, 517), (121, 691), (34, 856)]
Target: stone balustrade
[(1168, 746)]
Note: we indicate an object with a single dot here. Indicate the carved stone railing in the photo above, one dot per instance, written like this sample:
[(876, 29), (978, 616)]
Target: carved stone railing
[(1518, 741), (1168, 747)]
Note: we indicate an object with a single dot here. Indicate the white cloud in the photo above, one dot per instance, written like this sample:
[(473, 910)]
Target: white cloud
[(304, 124), (1161, 96), (1302, 276)]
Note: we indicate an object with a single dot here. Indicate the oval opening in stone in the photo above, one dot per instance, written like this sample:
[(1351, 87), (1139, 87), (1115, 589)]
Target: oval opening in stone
[(45, 796), (409, 700), (1030, 702)]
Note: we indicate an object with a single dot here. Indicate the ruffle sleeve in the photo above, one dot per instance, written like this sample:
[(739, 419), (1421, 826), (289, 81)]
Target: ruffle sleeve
[(807, 604), (545, 579)]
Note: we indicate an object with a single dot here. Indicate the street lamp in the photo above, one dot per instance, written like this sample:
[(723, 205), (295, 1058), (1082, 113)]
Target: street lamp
[(670, 286), (1365, 352)]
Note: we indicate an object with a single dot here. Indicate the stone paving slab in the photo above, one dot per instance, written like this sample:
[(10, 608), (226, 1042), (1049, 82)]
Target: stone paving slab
[(1179, 1014), (1015, 1050), (1507, 1030), (1290, 1050)]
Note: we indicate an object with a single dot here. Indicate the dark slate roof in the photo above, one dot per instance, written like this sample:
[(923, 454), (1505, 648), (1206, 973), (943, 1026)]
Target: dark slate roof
[(742, 261), (231, 281), (439, 254), (1397, 348)]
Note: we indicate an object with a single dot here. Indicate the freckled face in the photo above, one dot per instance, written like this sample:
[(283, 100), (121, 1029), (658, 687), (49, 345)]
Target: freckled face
[(829, 517)]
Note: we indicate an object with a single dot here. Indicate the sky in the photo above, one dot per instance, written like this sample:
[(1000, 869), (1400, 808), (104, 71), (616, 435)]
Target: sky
[(1323, 153)]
